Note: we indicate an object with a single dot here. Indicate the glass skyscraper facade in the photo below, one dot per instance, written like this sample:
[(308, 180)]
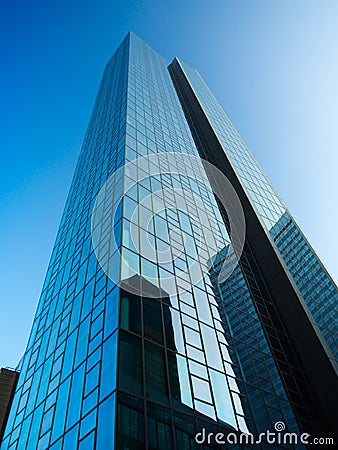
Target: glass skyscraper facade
[(138, 341)]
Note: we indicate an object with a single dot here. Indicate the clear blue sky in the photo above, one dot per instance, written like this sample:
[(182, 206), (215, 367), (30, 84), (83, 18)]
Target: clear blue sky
[(273, 65)]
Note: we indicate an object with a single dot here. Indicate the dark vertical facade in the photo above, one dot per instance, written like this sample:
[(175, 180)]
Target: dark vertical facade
[(8, 381), (130, 350)]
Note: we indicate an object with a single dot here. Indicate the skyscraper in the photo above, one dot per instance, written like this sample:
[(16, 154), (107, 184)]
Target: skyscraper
[(181, 295)]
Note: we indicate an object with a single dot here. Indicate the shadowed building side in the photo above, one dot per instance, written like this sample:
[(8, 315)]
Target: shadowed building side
[(8, 382)]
